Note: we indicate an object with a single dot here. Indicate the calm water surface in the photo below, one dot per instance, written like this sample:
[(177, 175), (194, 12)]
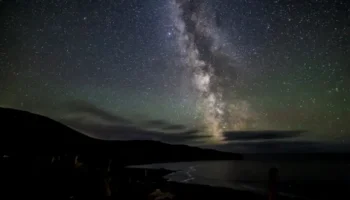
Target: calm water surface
[(306, 179)]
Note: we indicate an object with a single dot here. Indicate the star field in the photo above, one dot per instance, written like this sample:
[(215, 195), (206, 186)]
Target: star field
[(268, 65)]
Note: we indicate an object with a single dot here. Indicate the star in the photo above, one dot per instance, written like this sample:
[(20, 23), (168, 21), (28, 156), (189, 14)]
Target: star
[(229, 66)]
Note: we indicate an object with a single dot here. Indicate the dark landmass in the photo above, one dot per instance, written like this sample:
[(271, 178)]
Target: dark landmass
[(44, 159), (27, 133)]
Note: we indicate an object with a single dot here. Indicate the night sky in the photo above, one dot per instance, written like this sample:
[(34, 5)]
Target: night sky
[(213, 66)]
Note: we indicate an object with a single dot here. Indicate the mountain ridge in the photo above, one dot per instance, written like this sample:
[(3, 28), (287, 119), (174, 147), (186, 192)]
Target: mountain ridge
[(28, 133)]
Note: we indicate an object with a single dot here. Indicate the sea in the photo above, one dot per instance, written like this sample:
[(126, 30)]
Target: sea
[(305, 180)]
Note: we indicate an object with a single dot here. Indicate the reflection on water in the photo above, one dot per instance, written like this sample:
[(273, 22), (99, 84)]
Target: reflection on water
[(296, 178)]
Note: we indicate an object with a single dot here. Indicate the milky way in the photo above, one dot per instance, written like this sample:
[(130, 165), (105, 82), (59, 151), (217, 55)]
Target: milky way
[(212, 66), (202, 48)]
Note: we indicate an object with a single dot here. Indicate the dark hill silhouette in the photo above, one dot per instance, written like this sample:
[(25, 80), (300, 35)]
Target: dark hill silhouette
[(26, 133)]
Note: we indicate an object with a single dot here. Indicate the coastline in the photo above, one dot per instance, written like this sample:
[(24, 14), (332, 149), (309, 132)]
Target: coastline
[(179, 190)]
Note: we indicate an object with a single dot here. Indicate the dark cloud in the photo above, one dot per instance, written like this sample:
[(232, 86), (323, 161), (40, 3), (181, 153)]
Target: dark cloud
[(99, 123), (282, 147), (156, 123), (80, 109), (270, 147), (174, 127), (118, 132), (261, 135), (164, 125), (104, 125)]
